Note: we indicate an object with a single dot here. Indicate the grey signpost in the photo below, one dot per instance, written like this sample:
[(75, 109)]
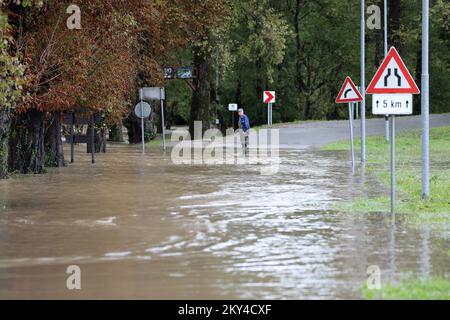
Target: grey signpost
[(269, 120), (350, 111), (269, 97), (143, 111), (385, 13), (425, 103), (157, 94), (232, 107), (392, 88), (163, 123), (363, 82), (392, 166), (141, 95), (349, 94)]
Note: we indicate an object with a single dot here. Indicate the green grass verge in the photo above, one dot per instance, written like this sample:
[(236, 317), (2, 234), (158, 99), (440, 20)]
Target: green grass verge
[(411, 289), (409, 201), (157, 142)]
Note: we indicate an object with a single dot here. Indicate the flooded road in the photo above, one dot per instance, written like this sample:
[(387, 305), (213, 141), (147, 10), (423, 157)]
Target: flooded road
[(146, 228)]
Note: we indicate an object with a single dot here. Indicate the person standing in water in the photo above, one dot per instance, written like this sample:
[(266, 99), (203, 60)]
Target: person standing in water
[(244, 125)]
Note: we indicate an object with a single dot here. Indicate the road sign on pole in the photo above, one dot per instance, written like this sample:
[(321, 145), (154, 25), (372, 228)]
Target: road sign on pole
[(156, 93), (163, 123), (143, 110), (349, 92), (269, 97), (153, 93), (392, 88), (393, 77), (233, 107), (141, 95)]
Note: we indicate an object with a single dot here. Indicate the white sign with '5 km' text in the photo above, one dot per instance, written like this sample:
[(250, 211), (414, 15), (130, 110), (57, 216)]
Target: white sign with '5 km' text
[(392, 104)]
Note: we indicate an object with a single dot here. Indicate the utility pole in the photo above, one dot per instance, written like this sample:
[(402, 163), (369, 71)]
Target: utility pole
[(363, 82), (425, 101)]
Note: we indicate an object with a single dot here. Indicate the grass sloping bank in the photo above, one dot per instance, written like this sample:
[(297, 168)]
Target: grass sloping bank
[(410, 206), (409, 202)]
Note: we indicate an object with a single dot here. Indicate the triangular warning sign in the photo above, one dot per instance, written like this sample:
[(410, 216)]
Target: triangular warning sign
[(348, 92), (393, 77)]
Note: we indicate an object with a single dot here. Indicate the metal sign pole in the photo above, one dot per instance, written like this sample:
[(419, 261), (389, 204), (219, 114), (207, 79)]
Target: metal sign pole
[(358, 105), (72, 139), (386, 118), (232, 118), (93, 139), (350, 120), (363, 82), (425, 101), (162, 120), (141, 95), (392, 167), (271, 114)]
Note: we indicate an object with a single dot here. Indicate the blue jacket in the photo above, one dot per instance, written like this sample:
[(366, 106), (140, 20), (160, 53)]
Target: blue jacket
[(245, 123)]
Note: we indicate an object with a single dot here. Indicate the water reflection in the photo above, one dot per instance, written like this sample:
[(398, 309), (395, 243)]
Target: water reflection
[(144, 228)]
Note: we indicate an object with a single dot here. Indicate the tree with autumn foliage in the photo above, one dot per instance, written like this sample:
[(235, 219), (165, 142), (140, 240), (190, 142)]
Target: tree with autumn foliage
[(121, 46)]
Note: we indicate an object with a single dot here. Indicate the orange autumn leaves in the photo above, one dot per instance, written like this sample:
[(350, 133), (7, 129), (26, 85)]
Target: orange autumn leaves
[(98, 67)]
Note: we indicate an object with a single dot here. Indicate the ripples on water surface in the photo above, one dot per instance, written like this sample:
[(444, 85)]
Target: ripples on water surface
[(144, 228)]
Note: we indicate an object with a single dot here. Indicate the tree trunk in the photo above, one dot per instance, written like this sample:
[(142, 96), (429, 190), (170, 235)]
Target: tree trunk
[(54, 152), (201, 97), (133, 125), (307, 110), (116, 134), (134, 129), (417, 109), (238, 99), (99, 140), (4, 139), (27, 151), (308, 103)]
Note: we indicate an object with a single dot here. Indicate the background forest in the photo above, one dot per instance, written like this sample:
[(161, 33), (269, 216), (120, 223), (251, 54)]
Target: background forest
[(302, 49)]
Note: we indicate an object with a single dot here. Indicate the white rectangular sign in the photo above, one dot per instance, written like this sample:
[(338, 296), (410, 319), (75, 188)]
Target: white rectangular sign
[(392, 104), (233, 107), (154, 93)]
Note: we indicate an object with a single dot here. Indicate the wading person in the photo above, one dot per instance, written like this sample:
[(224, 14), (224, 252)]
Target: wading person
[(244, 125)]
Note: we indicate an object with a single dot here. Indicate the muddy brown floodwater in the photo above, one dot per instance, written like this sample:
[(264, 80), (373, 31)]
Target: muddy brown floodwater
[(146, 228)]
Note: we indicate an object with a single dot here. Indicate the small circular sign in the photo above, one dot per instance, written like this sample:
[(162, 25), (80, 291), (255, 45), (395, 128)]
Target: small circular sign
[(143, 111)]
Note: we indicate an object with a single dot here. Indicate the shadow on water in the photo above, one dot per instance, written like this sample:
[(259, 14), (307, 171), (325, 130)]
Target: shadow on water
[(145, 228)]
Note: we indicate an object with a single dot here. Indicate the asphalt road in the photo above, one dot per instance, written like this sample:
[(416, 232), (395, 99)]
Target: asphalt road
[(320, 133)]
